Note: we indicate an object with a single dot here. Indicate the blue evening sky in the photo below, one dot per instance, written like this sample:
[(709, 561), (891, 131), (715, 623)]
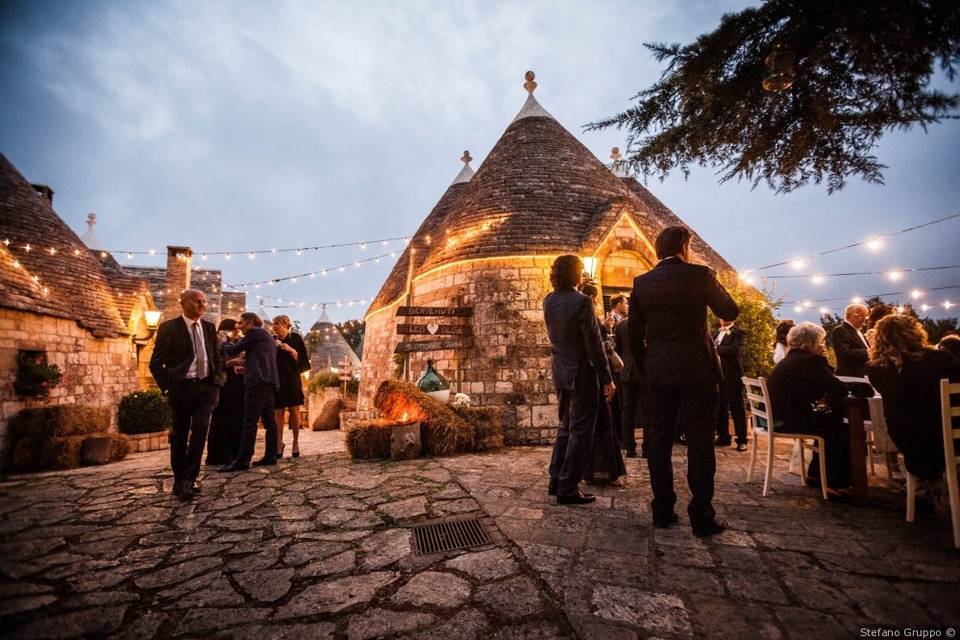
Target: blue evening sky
[(229, 125)]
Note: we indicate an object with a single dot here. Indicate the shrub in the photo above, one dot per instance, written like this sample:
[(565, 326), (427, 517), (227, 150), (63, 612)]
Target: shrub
[(756, 318), (36, 378), (144, 412), (321, 380)]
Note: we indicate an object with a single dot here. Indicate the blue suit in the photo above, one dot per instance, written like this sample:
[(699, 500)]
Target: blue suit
[(260, 380), (579, 370)]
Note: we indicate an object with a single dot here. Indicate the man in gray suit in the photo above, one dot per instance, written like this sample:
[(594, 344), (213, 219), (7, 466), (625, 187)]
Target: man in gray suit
[(579, 370)]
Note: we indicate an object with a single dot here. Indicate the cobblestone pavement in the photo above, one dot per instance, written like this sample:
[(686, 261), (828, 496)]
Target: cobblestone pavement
[(320, 547)]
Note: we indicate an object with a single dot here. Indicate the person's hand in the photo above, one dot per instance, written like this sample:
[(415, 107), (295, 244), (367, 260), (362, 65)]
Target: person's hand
[(608, 390), (609, 322)]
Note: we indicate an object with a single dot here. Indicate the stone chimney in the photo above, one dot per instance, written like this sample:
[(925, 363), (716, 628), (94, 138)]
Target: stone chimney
[(178, 279), (45, 192)]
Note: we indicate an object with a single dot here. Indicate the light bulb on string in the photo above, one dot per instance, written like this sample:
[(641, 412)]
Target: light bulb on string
[(293, 279), (817, 279), (299, 252), (363, 246), (76, 252), (924, 307), (916, 294), (798, 309), (798, 263), (894, 275), (824, 311), (874, 244), (27, 248), (900, 308), (807, 303), (947, 304), (251, 255), (227, 256), (129, 256), (856, 300), (53, 251)]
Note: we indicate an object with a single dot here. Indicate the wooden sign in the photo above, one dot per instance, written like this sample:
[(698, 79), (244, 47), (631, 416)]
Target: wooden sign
[(450, 312), (434, 329), (442, 344)]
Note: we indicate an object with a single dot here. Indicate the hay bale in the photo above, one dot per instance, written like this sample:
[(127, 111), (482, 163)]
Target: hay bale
[(442, 431), (121, 446), (60, 421), (329, 418), (29, 454), (486, 426), (370, 439)]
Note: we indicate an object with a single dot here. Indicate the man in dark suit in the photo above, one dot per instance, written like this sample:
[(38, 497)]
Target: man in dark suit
[(579, 370), (260, 382), (730, 341), (187, 365), (631, 389), (849, 345), (668, 325)]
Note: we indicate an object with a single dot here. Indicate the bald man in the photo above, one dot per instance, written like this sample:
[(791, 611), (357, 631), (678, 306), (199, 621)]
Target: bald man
[(186, 364), (849, 344)]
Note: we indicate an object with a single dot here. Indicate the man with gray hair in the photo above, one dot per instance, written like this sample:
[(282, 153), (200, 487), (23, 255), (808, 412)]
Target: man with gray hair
[(849, 344), (187, 365), (808, 398)]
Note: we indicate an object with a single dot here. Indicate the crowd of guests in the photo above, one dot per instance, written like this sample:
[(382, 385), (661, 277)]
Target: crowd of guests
[(222, 383), (651, 366)]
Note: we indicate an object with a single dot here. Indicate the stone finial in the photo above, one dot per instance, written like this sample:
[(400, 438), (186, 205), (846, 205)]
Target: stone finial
[(91, 220), (466, 157), (530, 85), (615, 154)]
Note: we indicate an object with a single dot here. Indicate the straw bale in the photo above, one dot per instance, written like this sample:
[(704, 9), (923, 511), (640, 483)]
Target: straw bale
[(442, 431), (60, 421), (370, 439), (486, 426), (329, 417), (33, 454), (102, 448)]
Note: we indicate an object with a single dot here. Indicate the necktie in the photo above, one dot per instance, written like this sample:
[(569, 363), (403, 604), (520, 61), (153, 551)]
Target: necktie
[(198, 351)]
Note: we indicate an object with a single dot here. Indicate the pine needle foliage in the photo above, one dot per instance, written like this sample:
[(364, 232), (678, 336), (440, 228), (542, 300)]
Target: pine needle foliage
[(861, 69)]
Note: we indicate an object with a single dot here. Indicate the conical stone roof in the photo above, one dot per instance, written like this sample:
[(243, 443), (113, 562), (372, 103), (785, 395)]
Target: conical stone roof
[(332, 347), (76, 286)]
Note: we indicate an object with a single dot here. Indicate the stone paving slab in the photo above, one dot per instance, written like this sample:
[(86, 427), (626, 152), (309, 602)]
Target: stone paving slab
[(321, 547)]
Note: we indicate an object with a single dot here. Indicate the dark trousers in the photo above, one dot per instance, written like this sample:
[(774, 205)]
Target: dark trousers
[(836, 434), (690, 410), (731, 402), (631, 413), (578, 419), (192, 403), (258, 405)]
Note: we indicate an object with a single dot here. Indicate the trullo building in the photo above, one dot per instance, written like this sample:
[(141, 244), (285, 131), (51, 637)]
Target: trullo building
[(487, 246)]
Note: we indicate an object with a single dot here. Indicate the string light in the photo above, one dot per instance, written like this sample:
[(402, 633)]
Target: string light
[(916, 294), (894, 275), (817, 279)]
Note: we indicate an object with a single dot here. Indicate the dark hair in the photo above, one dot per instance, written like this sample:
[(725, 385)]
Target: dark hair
[(589, 288), (617, 299), (252, 318), (227, 324), (782, 330), (671, 241), (877, 312), (950, 344), (565, 271)]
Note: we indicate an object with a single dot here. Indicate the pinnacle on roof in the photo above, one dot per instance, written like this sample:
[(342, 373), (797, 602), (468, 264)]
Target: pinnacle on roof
[(467, 172), (616, 167), (531, 108), (90, 238)]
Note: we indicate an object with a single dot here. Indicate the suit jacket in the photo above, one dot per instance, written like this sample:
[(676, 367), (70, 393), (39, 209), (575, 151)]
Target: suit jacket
[(260, 363), (632, 370), (668, 323), (575, 339), (730, 351), (911, 405), (173, 353), (797, 382), (850, 350)]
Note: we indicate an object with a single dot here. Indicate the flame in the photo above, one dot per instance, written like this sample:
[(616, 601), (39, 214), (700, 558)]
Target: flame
[(403, 418)]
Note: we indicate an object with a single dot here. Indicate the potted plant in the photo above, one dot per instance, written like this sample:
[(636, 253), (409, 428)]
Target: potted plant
[(36, 378)]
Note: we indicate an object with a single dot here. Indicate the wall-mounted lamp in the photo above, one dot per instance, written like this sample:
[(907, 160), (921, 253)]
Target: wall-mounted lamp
[(152, 318), (590, 265)]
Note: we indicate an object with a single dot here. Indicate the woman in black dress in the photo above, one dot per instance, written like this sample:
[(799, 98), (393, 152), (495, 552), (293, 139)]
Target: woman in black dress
[(292, 360), (226, 426), (606, 458)]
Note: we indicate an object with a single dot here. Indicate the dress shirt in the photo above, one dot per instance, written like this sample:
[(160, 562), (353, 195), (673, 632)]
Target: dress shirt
[(198, 343), (722, 334)]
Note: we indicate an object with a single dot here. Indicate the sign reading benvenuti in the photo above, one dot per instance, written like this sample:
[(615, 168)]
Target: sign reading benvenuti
[(454, 312)]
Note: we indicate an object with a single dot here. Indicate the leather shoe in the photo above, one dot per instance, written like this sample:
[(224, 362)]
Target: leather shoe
[(720, 442), (195, 487), (182, 490), (742, 446), (709, 528), (576, 498), (265, 461), (552, 487), (666, 523), (234, 466)]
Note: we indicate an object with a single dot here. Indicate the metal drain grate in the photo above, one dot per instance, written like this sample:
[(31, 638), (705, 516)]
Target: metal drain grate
[(447, 535)]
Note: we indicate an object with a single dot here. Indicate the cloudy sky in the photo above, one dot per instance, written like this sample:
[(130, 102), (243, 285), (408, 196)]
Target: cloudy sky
[(231, 126)]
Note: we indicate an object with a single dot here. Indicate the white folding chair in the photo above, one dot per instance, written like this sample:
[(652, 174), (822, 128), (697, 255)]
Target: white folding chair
[(949, 409), (763, 423)]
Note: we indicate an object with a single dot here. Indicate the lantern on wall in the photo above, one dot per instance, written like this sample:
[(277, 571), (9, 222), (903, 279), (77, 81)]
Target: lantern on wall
[(152, 318), (590, 265), (780, 72)]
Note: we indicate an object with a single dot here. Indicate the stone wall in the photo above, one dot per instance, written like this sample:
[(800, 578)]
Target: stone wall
[(96, 371)]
